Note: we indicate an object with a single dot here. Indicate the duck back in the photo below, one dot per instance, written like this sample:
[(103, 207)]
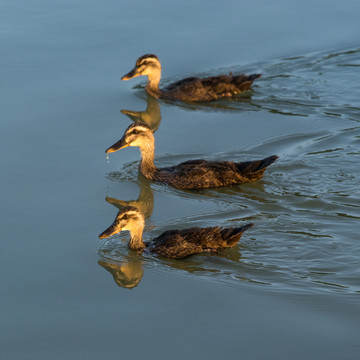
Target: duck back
[(182, 243), (199, 174), (195, 89)]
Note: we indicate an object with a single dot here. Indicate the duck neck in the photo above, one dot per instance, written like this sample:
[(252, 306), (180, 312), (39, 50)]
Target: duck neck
[(136, 242), (152, 86), (147, 167)]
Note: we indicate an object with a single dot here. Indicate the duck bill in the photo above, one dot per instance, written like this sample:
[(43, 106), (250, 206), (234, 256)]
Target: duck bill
[(133, 73), (111, 230), (117, 146)]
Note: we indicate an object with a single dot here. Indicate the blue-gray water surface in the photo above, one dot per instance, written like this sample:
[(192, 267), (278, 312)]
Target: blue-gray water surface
[(289, 290)]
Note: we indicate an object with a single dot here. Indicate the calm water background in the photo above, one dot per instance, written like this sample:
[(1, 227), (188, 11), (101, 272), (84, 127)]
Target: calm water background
[(290, 290)]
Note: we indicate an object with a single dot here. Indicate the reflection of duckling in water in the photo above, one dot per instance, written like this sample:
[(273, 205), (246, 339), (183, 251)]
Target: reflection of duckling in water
[(192, 88), (193, 174), (151, 116), (145, 201), (127, 274), (173, 243)]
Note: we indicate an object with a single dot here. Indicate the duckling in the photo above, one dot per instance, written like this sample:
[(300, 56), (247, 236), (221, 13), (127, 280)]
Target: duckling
[(191, 89), (174, 244), (192, 174)]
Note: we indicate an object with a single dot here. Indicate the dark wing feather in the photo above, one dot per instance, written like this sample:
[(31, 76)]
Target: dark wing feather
[(173, 245), (182, 243), (254, 170), (181, 82), (198, 174), (210, 88)]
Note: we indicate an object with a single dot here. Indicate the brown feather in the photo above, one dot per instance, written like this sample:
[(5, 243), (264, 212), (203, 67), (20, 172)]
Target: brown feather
[(208, 89), (182, 243), (198, 174)]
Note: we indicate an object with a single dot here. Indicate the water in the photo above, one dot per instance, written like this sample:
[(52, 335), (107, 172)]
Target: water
[(290, 289)]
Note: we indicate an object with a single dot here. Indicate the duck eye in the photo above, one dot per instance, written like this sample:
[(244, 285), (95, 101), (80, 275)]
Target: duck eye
[(125, 217)]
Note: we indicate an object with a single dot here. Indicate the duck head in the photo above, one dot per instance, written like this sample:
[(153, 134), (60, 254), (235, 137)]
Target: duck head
[(136, 134), (148, 65), (129, 218)]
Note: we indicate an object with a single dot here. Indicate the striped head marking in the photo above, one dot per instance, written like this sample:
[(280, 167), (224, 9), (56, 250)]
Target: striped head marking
[(135, 135), (128, 218), (147, 64), (147, 60)]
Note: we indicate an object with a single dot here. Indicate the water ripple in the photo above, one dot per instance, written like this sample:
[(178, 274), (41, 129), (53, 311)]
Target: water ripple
[(306, 208)]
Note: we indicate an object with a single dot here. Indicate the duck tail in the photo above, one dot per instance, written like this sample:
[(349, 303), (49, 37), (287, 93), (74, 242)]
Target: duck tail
[(250, 167), (253, 77), (233, 235), (267, 161)]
